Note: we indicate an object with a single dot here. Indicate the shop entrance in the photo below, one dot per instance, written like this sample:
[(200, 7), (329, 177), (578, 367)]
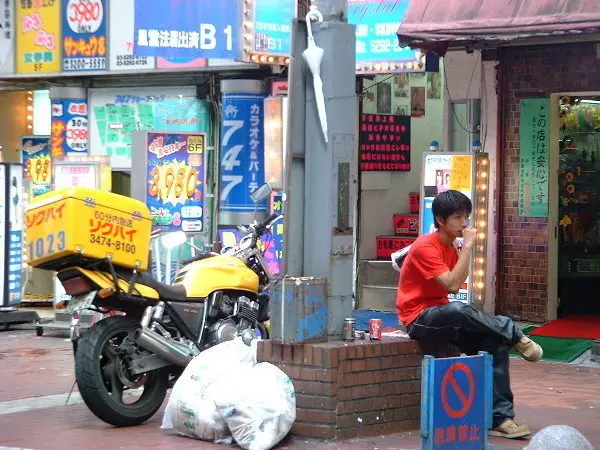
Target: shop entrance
[(578, 228)]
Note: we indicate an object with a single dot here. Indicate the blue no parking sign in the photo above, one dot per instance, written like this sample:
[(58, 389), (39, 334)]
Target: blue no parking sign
[(456, 402)]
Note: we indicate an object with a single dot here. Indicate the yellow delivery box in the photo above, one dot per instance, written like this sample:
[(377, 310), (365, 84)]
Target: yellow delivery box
[(78, 225)]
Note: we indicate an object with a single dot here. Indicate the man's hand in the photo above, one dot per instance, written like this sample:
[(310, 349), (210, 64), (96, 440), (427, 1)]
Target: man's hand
[(453, 280), (469, 234)]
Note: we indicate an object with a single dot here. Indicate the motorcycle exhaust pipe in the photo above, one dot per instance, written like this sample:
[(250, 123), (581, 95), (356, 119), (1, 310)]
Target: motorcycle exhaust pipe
[(170, 351)]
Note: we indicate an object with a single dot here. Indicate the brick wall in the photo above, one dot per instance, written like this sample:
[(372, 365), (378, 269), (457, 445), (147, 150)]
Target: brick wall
[(524, 244), (361, 388)]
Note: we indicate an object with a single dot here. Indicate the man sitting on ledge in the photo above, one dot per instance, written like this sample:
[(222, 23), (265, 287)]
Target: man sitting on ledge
[(435, 267)]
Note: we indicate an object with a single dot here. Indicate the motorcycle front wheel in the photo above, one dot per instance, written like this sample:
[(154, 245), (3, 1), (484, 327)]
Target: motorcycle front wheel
[(103, 379)]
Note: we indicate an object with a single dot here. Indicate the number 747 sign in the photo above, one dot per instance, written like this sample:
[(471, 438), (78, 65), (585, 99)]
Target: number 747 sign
[(242, 152)]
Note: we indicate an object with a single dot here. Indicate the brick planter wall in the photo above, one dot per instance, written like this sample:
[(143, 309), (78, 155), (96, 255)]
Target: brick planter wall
[(347, 390), (524, 244)]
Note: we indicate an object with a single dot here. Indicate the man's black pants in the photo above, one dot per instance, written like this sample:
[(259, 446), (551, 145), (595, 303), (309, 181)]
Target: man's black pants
[(472, 331)]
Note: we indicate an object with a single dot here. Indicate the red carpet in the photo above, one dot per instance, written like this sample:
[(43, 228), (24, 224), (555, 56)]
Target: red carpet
[(578, 327)]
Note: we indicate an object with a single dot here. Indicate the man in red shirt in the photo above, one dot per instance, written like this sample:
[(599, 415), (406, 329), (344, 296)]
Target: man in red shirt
[(435, 267)]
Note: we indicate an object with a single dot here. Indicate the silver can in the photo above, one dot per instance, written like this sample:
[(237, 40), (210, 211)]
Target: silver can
[(349, 328)]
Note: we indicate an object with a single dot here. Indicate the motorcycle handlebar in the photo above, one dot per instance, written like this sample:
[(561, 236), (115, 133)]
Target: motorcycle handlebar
[(261, 228)]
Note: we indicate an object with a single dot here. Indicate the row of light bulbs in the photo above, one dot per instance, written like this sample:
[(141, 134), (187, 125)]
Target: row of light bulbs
[(481, 193), (384, 67), (29, 108)]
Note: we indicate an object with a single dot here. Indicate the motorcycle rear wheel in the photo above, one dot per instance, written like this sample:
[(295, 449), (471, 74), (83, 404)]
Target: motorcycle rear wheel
[(99, 372)]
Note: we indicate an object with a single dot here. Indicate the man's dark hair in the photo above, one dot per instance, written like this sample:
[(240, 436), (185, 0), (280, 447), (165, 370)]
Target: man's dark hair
[(450, 202)]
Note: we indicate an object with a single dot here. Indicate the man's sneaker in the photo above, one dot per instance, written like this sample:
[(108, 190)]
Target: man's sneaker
[(509, 429), (529, 349)]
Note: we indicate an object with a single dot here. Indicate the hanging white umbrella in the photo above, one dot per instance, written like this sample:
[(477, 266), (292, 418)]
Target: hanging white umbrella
[(313, 56)]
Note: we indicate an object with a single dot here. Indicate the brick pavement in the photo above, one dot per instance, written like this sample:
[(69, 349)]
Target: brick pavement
[(31, 367)]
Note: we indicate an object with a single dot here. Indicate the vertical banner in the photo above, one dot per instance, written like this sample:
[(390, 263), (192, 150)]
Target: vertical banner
[(273, 248), (534, 157), (37, 165), (176, 180), (69, 127), (4, 234), (84, 35), (38, 36), (172, 29), (7, 31), (121, 39), (442, 172), (15, 247), (242, 152)]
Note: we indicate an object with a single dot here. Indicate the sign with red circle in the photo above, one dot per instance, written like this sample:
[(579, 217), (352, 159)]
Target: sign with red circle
[(465, 398)]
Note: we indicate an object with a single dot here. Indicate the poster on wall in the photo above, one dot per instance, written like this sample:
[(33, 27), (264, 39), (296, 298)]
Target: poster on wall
[(534, 157), (38, 36), (384, 142), (7, 54), (37, 165), (121, 40), (171, 29), (175, 177), (15, 241), (84, 35), (417, 101), (242, 152), (377, 47), (442, 172), (69, 127), (116, 113)]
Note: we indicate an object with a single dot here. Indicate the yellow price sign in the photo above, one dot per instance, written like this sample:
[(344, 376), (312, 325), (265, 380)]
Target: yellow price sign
[(173, 182), (195, 144), (39, 169), (460, 177)]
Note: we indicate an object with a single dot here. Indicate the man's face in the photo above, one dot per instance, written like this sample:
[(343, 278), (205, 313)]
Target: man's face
[(455, 224)]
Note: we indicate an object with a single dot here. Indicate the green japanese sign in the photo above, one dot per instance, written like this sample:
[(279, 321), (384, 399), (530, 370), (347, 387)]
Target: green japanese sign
[(535, 155)]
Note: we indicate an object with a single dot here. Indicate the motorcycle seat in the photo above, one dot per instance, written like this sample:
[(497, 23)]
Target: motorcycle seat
[(165, 291)]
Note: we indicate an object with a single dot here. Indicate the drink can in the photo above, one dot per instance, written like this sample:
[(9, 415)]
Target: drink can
[(349, 328), (375, 329)]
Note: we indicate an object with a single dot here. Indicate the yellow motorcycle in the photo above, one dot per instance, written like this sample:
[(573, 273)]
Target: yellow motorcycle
[(125, 363)]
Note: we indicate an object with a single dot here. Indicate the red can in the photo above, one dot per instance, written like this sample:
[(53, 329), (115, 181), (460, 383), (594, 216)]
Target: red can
[(375, 329)]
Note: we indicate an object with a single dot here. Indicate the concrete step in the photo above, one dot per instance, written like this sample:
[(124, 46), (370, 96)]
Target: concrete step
[(377, 273), (380, 298)]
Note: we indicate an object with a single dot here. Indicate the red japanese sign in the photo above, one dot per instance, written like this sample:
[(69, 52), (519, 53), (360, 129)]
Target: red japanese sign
[(384, 142), (42, 216)]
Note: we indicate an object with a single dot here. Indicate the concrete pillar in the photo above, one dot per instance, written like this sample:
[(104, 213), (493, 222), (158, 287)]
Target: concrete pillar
[(242, 151), (322, 177), (69, 121)]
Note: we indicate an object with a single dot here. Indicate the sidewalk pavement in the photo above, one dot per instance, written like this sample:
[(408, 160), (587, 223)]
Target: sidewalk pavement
[(36, 376)]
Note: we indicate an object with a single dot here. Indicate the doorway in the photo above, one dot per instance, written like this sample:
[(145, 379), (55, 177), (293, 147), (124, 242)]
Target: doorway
[(577, 222)]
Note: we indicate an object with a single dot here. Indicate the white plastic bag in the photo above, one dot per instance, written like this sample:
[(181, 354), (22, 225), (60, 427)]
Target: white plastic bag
[(191, 409), (259, 411)]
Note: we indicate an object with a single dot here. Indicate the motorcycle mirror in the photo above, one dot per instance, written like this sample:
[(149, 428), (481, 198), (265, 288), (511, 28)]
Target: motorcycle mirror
[(261, 193), (172, 240)]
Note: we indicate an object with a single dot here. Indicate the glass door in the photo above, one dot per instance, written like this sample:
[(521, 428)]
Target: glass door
[(579, 205)]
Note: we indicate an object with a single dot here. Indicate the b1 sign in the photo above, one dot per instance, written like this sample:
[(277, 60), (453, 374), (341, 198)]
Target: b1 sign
[(187, 28)]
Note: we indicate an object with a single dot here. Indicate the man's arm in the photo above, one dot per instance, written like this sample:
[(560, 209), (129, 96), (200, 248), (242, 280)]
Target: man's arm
[(453, 279)]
